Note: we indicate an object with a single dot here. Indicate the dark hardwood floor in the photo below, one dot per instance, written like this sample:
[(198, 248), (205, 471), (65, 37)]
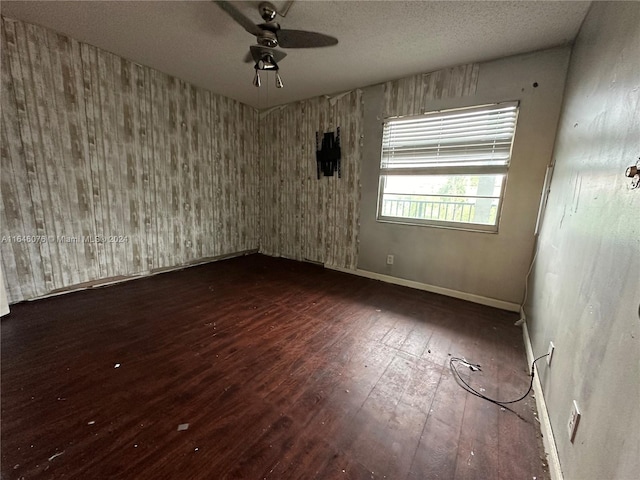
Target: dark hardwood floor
[(280, 369)]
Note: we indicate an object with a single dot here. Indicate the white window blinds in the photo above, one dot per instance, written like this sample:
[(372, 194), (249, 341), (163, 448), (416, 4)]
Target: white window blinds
[(478, 136)]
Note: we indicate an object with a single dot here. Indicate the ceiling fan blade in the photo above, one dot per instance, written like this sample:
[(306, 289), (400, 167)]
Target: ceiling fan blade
[(240, 17), (303, 39)]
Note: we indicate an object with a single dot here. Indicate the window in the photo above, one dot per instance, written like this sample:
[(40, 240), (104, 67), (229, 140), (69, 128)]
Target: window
[(447, 168)]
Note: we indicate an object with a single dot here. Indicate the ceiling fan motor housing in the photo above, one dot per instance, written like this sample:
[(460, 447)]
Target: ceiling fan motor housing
[(268, 39)]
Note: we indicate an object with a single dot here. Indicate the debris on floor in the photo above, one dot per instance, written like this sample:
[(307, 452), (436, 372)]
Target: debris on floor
[(117, 365), (55, 455), (183, 426)]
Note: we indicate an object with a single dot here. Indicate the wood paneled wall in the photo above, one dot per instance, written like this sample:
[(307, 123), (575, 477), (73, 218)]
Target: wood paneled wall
[(96, 145), (304, 218), (411, 95)]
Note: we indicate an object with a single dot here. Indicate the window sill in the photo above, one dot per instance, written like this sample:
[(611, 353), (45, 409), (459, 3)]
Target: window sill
[(466, 227)]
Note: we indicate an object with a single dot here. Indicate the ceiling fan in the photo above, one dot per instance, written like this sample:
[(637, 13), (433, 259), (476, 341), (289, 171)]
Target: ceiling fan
[(270, 35)]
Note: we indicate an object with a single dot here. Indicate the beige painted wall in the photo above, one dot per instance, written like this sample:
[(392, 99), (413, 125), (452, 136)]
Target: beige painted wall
[(96, 145), (586, 283), (483, 264)]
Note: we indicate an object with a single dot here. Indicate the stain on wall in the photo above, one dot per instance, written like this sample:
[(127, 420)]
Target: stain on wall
[(95, 146)]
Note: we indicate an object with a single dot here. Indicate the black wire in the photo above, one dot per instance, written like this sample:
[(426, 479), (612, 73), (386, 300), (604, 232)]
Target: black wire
[(471, 390)]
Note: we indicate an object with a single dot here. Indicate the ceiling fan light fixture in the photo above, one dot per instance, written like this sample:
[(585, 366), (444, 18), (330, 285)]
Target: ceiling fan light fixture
[(267, 62), (279, 83)]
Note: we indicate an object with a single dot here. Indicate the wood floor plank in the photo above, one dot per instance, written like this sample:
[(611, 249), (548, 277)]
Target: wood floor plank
[(417, 341), (436, 453), (281, 369)]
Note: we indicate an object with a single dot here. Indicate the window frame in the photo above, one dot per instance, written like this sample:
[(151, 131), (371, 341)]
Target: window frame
[(446, 170)]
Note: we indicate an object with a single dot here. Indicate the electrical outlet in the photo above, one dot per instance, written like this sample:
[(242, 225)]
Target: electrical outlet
[(574, 419), (389, 259), (550, 353)]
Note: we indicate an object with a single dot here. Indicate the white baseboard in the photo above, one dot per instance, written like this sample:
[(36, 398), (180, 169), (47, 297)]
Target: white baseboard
[(545, 424), (491, 302)]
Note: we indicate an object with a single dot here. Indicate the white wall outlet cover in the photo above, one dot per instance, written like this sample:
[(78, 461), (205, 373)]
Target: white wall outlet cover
[(389, 259), (574, 420), (550, 353)]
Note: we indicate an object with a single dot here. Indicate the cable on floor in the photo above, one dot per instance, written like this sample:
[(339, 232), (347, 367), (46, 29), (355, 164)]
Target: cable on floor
[(476, 368)]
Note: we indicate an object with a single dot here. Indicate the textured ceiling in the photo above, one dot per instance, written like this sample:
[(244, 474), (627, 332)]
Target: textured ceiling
[(379, 41)]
